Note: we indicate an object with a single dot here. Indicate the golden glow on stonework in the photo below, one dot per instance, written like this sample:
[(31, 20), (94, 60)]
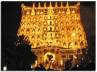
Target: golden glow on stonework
[(49, 53), (52, 26)]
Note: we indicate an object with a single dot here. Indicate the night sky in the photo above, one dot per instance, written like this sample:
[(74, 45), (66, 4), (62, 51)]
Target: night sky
[(10, 18)]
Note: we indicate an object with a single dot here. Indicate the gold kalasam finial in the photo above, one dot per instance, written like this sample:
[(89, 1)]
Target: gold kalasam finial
[(50, 4), (78, 4), (68, 9), (39, 4), (45, 4), (32, 12), (22, 5), (61, 4), (33, 5), (67, 4), (56, 4)]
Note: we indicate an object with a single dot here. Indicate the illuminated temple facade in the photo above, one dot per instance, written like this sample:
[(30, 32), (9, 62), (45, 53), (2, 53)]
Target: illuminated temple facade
[(53, 31)]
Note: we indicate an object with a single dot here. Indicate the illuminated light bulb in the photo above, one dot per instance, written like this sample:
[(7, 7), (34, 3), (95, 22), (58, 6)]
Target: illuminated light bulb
[(77, 65), (71, 44), (37, 12), (31, 67), (44, 29), (35, 21), (27, 13), (63, 12), (61, 62), (77, 18), (41, 12), (52, 60), (73, 11), (73, 34), (68, 12), (31, 13), (5, 68), (75, 57)]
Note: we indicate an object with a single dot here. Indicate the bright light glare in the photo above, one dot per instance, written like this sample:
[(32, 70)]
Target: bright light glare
[(73, 34), (5, 68)]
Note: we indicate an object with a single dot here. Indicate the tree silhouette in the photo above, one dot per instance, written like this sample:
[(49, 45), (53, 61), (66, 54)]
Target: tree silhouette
[(26, 56)]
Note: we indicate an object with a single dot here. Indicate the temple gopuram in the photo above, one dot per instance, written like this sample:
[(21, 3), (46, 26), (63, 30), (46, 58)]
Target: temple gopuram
[(55, 33)]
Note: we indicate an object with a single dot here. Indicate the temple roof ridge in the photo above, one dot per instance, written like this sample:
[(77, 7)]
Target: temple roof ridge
[(50, 5)]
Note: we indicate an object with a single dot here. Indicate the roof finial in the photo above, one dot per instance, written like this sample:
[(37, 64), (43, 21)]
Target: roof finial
[(33, 5), (68, 10), (78, 4), (56, 4), (61, 4), (45, 4), (67, 4), (50, 4), (39, 4), (22, 5)]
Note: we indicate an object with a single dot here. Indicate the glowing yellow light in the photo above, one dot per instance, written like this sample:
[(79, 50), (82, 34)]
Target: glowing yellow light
[(51, 28), (49, 53), (73, 11), (41, 12), (45, 27), (73, 34), (61, 62), (75, 57), (27, 13), (37, 12), (63, 12)]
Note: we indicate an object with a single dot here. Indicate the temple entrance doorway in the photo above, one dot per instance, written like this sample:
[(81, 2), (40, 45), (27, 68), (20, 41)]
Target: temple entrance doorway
[(49, 60)]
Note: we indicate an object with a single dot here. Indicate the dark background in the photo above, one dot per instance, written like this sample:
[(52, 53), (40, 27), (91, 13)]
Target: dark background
[(10, 20)]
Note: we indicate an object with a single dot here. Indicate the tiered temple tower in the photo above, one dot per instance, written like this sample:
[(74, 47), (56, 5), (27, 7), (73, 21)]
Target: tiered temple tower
[(53, 30)]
